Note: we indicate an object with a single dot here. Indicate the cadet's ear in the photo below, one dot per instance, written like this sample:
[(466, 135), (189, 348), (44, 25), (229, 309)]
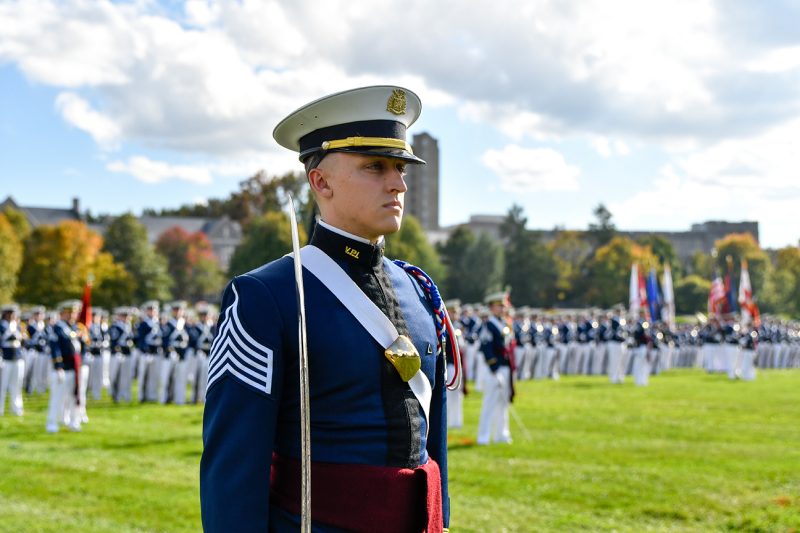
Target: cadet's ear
[(318, 180)]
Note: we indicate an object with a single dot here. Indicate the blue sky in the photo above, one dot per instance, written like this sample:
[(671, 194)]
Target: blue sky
[(667, 112)]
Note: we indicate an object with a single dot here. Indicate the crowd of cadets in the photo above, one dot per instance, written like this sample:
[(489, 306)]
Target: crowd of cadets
[(610, 343), (164, 354)]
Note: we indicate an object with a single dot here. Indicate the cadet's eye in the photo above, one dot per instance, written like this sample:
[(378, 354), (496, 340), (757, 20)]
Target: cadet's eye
[(376, 166), (401, 168)]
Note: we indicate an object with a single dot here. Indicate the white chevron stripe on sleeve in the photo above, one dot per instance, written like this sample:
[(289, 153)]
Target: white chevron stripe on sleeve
[(238, 353)]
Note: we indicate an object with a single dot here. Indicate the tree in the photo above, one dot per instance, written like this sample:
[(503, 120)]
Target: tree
[(604, 230), (701, 264), (691, 294), (191, 263), (530, 268), (10, 259), (570, 251), (126, 240), (267, 238), (486, 261), (663, 250), (608, 271), (19, 222), (58, 261), (257, 195), (454, 253), (411, 245), (781, 293)]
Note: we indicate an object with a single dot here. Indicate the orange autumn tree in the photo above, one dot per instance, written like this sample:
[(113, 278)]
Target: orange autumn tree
[(191, 263), (58, 260)]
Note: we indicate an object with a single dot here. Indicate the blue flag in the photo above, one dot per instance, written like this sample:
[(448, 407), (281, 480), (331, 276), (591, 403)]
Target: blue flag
[(654, 299)]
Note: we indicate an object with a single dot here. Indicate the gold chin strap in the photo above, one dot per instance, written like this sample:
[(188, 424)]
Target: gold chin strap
[(369, 142)]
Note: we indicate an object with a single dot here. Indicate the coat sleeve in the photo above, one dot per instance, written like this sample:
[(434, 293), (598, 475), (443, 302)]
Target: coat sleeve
[(244, 389)]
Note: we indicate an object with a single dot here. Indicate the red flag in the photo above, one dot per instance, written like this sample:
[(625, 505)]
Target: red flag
[(643, 301), (85, 317), (749, 307)]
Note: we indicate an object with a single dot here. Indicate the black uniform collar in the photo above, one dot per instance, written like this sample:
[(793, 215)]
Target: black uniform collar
[(351, 251)]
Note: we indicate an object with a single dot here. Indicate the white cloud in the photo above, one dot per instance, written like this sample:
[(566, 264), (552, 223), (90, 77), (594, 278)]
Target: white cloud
[(777, 60), (735, 179), (149, 171), (79, 113), (526, 170), (609, 147)]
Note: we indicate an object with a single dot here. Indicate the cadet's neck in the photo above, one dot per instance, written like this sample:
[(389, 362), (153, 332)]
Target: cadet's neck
[(351, 249), (349, 235)]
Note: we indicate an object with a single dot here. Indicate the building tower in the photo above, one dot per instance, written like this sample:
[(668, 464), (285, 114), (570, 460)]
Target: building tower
[(422, 198)]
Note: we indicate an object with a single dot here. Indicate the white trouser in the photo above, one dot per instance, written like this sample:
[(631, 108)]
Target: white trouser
[(40, 372), (616, 370), (95, 365), (482, 371), (586, 358), (572, 358), (11, 378), (148, 374), (84, 385), (519, 359), (63, 407), (191, 366), (539, 368), (598, 358), (551, 362), (120, 375), (201, 377), (30, 363), (748, 370), (471, 353), (179, 378), (641, 366), (732, 360), (493, 424), (166, 366), (455, 402)]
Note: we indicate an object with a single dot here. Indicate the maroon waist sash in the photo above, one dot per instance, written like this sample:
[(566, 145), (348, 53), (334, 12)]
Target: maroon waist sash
[(363, 498)]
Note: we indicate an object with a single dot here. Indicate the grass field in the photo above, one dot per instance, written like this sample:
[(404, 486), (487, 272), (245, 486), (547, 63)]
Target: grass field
[(691, 452)]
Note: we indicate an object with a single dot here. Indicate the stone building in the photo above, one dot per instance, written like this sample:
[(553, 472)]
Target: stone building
[(422, 198)]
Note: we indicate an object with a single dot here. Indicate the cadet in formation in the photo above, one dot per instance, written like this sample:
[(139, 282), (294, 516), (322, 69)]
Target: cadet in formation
[(497, 347), (377, 374), (12, 364), (67, 348)]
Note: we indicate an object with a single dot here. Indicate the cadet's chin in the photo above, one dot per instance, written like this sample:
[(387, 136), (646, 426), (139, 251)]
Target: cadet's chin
[(394, 225)]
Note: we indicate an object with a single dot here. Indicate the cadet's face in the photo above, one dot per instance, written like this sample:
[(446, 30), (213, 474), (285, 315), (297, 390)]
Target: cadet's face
[(364, 195)]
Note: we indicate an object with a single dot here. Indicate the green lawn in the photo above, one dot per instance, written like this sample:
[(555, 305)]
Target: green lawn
[(691, 452)]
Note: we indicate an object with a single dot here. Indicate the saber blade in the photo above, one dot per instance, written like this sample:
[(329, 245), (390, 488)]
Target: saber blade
[(305, 416)]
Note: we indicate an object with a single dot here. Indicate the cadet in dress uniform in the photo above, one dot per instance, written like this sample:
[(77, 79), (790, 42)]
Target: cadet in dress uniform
[(148, 344), (175, 341), (497, 346), (120, 338), (39, 345), (616, 337), (455, 397), (201, 337), (100, 355), (378, 442), (12, 369), (66, 348)]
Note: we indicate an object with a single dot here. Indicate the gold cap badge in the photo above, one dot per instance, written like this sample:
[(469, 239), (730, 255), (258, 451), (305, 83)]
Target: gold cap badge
[(397, 102)]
